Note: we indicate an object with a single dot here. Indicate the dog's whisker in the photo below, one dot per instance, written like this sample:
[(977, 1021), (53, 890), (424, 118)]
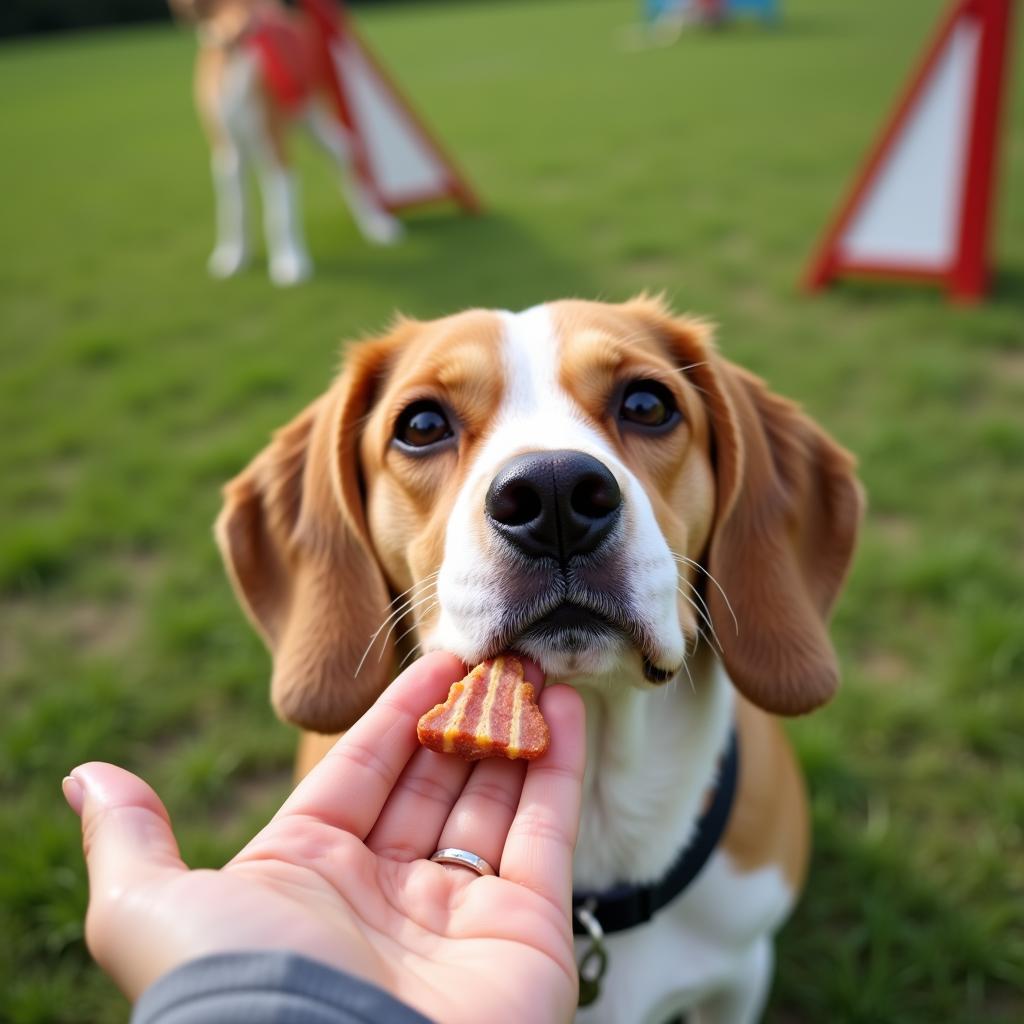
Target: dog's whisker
[(394, 625), (698, 635), (408, 657), (393, 617), (692, 366), (725, 597), (704, 618), (689, 676), (701, 609), (419, 583), (397, 613), (697, 594), (415, 625), (425, 582), (689, 380)]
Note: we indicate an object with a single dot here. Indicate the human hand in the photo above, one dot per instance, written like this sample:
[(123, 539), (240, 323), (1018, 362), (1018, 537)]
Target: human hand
[(339, 873)]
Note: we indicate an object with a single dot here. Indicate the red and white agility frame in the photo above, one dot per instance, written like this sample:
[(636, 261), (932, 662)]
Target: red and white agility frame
[(921, 208), (393, 153)]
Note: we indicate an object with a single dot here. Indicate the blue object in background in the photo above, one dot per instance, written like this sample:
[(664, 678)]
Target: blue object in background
[(655, 10), (766, 10)]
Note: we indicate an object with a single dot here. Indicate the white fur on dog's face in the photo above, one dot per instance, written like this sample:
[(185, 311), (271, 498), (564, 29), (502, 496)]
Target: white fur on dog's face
[(478, 605), (560, 369)]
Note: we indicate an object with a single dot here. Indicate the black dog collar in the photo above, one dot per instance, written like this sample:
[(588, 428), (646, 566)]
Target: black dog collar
[(626, 906)]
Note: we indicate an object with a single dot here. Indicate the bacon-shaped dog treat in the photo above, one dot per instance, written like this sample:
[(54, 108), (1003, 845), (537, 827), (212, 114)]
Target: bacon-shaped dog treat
[(491, 713)]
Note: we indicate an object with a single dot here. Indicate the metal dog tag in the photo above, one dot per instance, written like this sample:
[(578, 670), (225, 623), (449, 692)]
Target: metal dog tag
[(592, 970), (594, 963)]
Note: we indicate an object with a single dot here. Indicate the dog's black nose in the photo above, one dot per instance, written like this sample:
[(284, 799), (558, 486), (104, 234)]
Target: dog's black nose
[(554, 504)]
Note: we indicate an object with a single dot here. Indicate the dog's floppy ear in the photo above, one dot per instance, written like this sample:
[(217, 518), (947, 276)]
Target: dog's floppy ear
[(787, 512), (294, 540)]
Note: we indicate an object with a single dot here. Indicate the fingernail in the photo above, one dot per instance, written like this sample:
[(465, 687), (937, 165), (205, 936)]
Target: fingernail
[(73, 793)]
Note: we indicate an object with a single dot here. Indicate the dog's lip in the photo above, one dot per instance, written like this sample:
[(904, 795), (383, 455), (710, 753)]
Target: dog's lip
[(569, 615), (574, 615), (566, 614)]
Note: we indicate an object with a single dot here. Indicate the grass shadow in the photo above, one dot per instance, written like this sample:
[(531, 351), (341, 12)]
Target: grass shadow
[(1008, 287), (1006, 290), (492, 259)]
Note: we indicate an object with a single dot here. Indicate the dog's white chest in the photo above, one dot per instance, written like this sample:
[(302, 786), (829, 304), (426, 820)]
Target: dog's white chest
[(652, 758), (715, 938)]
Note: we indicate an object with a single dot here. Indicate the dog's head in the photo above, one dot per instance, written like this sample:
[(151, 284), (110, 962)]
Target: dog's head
[(592, 485), (192, 10), (231, 13)]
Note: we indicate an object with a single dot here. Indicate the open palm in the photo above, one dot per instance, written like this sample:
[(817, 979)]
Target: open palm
[(340, 874)]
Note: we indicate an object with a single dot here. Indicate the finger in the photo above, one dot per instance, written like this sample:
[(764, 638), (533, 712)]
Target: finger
[(411, 821), (480, 819), (538, 851), (348, 788), (126, 832)]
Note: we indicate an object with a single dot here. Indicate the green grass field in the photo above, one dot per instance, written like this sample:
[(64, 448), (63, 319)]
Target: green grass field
[(132, 387)]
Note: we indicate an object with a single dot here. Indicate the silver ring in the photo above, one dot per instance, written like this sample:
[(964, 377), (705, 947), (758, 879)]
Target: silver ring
[(463, 859)]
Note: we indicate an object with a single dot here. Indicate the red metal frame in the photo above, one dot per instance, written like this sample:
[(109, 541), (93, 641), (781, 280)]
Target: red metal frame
[(337, 27), (969, 276), (966, 277), (458, 187), (330, 20)]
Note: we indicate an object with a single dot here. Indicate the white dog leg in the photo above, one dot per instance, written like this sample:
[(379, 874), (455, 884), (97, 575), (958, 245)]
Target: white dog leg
[(248, 120), (282, 223), (374, 222), (743, 1001), (231, 251)]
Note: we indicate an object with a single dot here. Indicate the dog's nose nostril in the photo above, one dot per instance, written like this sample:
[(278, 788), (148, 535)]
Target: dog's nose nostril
[(554, 504), (514, 505), (597, 495)]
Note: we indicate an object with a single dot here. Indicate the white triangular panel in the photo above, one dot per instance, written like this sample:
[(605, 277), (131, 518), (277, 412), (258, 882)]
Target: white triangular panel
[(403, 163), (910, 214)]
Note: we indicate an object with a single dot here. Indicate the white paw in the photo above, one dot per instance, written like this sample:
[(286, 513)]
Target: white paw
[(379, 227), (289, 268), (227, 260)]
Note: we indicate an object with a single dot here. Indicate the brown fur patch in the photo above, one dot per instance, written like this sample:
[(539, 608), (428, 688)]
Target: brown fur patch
[(457, 362), (769, 824)]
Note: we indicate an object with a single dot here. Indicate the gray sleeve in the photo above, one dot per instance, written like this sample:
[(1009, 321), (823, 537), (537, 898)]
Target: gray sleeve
[(266, 988)]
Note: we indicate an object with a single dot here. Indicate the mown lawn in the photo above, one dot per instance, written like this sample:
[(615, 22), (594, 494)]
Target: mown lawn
[(132, 387)]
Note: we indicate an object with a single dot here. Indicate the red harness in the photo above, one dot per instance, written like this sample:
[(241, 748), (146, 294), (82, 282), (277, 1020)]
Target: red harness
[(290, 56)]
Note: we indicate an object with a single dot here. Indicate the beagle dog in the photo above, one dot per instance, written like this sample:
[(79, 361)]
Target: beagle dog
[(260, 68), (597, 487)]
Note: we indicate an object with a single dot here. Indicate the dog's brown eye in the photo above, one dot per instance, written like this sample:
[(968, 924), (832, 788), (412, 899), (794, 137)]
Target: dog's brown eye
[(422, 424), (647, 403)]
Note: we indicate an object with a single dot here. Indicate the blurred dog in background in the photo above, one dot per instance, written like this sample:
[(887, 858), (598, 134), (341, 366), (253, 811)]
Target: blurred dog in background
[(260, 68)]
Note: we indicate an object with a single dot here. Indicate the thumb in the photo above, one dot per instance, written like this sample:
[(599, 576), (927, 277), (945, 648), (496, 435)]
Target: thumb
[(126, 831)]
